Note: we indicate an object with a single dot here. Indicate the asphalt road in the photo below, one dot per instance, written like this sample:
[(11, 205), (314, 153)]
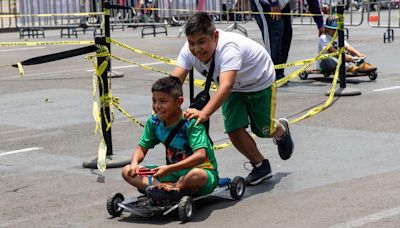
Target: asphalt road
[(344, 171)]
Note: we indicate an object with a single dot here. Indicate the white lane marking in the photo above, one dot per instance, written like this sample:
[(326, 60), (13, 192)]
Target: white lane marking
[(368, 219), (385, 89), (6, 132), (20, 151), (20, 49), (131, 66)]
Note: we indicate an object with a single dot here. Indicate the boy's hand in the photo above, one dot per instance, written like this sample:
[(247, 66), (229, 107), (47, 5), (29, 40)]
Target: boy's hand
[(133, 170), (321, 31), (194, 113), (275, 9), (161, 171)]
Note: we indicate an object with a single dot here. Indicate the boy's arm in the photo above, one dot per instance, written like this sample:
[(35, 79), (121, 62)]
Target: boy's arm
[(137, 157), (180, 73), (313, 7), (226, 82), (198, 157), (353, 51)]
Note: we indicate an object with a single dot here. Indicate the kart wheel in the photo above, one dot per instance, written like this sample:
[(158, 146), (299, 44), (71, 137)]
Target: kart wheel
[(237, 188), (303, 75), (186, 208), (373, 75), (326, 75), (112, 204)]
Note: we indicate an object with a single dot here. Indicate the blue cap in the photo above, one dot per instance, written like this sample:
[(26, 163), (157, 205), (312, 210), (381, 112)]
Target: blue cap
[(331, 23)]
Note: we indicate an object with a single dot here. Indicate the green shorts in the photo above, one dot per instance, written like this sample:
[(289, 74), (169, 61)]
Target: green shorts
[(255, 108), (212, 180)]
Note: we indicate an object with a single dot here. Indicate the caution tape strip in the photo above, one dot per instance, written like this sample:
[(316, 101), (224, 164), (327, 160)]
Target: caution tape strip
[(25, 44), (52, 15), (314, 111), (157, 57), (104, 100), (108, 12), (141, 65), (116, 102), (234, 12), (303, 62)]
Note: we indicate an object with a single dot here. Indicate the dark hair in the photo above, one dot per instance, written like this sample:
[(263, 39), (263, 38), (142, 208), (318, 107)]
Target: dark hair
[(199, 23), (170, 85)]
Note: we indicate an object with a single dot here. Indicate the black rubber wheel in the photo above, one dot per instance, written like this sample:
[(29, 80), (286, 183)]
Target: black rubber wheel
[(112, 204), (373, 75), (237, 188), (303, 75), (186, 208)]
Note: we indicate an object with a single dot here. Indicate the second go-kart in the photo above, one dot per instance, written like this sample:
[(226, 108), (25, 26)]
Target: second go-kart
[(143, 206), (304, 75)]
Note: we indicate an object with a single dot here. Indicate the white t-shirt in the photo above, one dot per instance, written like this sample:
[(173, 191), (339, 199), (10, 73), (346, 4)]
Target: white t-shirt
[(254, 66), (324, 40)]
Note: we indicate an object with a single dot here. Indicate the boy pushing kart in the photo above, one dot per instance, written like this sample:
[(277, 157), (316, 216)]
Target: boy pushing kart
[(191, 167)]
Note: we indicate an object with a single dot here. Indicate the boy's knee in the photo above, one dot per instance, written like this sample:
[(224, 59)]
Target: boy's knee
[(197, 175), (236, 135), (125, 171)]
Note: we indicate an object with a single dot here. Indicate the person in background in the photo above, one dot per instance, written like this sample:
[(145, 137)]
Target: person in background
[(276, 30)]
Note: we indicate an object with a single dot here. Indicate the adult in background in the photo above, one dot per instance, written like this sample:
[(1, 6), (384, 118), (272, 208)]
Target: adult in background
[(276, 30)]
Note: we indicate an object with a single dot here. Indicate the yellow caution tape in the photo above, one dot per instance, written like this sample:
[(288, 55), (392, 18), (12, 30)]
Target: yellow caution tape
[(51, 15), (20, 69), (141, 65), (97, 80), (163, 59), (18, 44), (101, 158), (302, 62), (328, 102), (235, 12), (116, 102)]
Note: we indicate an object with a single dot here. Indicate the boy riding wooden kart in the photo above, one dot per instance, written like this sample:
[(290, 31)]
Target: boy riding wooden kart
[(191, 171)]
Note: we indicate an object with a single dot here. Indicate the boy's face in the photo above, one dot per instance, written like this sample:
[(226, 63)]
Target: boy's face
[(329, 31), (203, 45), (166, 106)]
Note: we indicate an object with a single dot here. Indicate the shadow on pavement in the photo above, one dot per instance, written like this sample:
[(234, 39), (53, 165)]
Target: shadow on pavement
[(205, 207), (265, 186)]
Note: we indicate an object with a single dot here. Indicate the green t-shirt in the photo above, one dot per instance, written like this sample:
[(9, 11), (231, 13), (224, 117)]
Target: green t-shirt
[(188, 139)]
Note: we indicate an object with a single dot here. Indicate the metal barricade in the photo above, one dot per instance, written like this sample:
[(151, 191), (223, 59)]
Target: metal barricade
[(8, 7), (384, 14), (354, 12), (238, 13), (32, 7)]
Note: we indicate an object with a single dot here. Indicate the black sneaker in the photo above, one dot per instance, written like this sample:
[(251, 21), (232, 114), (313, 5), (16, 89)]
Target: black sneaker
[(259, 174), (285, 145), (163, 195)]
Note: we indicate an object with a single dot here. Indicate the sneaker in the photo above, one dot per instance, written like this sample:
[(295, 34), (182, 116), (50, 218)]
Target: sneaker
[(366, 68), (285, 145), (163, 194), (259, 174), (353, 69)]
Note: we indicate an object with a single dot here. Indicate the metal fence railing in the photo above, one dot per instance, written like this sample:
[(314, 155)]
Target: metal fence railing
[(379, 13)]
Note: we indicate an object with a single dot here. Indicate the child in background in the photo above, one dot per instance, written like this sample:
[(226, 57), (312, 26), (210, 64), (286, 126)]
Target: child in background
[(355, 60)]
